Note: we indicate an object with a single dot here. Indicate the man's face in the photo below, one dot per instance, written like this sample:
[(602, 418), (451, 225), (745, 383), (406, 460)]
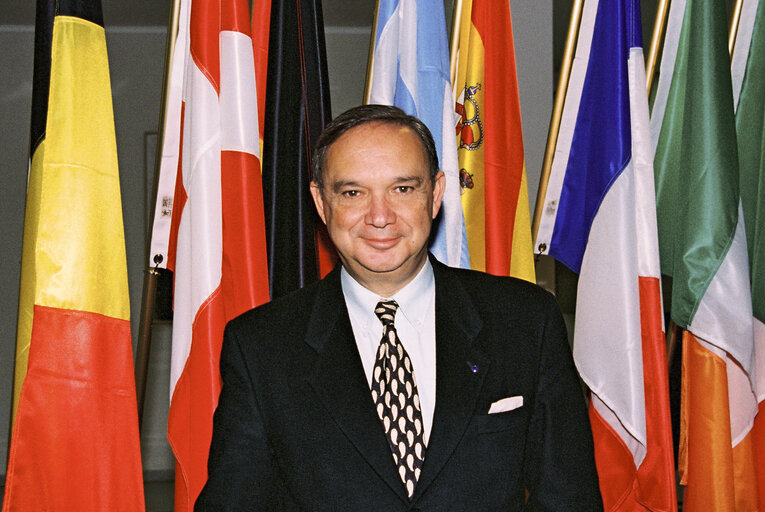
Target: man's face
[(378, 203)]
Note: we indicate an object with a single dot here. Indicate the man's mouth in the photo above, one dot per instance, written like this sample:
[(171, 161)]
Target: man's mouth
[(382, 243)]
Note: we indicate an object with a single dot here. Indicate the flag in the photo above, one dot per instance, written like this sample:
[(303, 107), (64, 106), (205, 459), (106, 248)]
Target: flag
[(410, 70), (492, 171), (297, 109), (703, 248), (159, 248), (599, 219), (261, 22), (217, 240), (74, 391), (748, 70)]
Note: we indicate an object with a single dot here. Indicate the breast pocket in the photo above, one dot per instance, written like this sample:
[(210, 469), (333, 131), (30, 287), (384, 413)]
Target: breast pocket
[(499, 422)]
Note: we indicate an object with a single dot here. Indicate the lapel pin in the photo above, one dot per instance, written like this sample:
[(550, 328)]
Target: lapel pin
[(473, 367)]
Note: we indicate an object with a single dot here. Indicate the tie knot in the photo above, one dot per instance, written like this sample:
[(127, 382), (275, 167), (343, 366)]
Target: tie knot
[(386, 311)]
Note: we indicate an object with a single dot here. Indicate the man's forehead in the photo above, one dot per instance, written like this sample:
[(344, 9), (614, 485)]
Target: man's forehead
[(377, 135), (377, 126)]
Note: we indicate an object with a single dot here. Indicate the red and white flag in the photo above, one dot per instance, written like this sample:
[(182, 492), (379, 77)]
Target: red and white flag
[(216, 241)]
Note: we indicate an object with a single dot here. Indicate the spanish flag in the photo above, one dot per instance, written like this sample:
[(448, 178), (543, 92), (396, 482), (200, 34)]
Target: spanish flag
[(75, 443), (491, 164)]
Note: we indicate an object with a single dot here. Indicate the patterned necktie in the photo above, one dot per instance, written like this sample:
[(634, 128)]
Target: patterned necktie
[(394, 393)]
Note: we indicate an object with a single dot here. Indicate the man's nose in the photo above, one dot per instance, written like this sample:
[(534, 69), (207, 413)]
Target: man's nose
[(380, 212)]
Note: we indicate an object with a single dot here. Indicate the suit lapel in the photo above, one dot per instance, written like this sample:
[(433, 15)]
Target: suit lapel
[(460, 369), (339, 380)]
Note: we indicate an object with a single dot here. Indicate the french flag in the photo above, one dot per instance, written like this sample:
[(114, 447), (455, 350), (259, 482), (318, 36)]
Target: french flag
[(599, 219)]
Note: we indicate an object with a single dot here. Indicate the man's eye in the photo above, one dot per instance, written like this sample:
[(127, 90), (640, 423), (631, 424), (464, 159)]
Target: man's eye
[(350, 193), (404, 189)]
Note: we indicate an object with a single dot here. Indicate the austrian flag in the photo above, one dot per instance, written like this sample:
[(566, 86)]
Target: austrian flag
[(217, 236)]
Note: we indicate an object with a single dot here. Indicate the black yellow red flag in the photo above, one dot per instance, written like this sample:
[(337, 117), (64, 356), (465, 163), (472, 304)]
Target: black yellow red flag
[(75, 443)]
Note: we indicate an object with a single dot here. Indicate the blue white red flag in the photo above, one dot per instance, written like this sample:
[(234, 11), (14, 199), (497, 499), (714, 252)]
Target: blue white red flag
[(599, 219), (410, 69)]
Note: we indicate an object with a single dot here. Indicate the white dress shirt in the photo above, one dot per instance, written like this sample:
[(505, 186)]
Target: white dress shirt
[(415, 323)]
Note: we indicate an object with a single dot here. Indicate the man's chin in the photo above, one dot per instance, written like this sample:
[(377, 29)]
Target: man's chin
[(381, 268), (391, 265), (380, 265)]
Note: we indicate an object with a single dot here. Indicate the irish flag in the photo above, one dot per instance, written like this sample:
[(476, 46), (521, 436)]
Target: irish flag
[(492, 174), (599, 219), (748, 70), (703, 247), (74, 443)]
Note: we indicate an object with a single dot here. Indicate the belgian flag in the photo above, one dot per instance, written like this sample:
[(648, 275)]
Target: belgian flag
[(75, 442)]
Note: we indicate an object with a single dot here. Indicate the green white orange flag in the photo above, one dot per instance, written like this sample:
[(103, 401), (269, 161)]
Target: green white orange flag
[(75, 443), (703, 247), (495, 197), (748, 70)]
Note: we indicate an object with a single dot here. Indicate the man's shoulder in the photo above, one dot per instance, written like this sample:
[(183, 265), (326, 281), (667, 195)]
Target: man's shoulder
[(484, 286), (291, 309)]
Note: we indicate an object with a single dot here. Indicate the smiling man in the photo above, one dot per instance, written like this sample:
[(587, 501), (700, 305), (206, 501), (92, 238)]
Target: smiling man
[(397, 383)]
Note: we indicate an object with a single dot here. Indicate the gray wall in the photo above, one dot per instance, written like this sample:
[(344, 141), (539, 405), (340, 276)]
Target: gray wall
[(136, 59)]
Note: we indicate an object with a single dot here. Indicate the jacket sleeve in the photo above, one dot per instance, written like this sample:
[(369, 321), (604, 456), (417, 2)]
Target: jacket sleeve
[(559, 465), (241, 469)]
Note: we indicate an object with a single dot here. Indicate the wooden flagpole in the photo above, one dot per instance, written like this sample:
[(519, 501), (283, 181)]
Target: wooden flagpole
[(734, 22), (454, 44), (148, 299), (371, 57), (560, 97), (658, 33)]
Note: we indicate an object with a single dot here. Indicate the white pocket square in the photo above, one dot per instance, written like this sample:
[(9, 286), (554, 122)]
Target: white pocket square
[(506, 404)]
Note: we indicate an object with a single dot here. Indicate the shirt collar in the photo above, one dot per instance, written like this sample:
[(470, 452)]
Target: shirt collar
[(413, 299)]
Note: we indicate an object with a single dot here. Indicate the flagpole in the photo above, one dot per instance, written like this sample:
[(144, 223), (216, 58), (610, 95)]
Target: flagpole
[(371, 56), (151, 273), (560, 97), (455, 42), (734, 22), (658, 33)]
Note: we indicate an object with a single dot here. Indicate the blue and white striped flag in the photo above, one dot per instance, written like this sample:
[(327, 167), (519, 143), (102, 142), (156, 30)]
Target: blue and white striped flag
[(410, 70)]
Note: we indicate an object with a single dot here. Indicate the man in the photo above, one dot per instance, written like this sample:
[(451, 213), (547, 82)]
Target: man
[(469, 402)]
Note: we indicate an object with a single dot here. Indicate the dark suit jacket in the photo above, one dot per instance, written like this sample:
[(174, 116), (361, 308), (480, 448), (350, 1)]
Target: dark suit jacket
[(296, 428)]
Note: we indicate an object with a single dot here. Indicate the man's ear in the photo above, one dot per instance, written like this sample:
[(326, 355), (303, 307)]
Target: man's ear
[(318, 200), (439, 186)]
